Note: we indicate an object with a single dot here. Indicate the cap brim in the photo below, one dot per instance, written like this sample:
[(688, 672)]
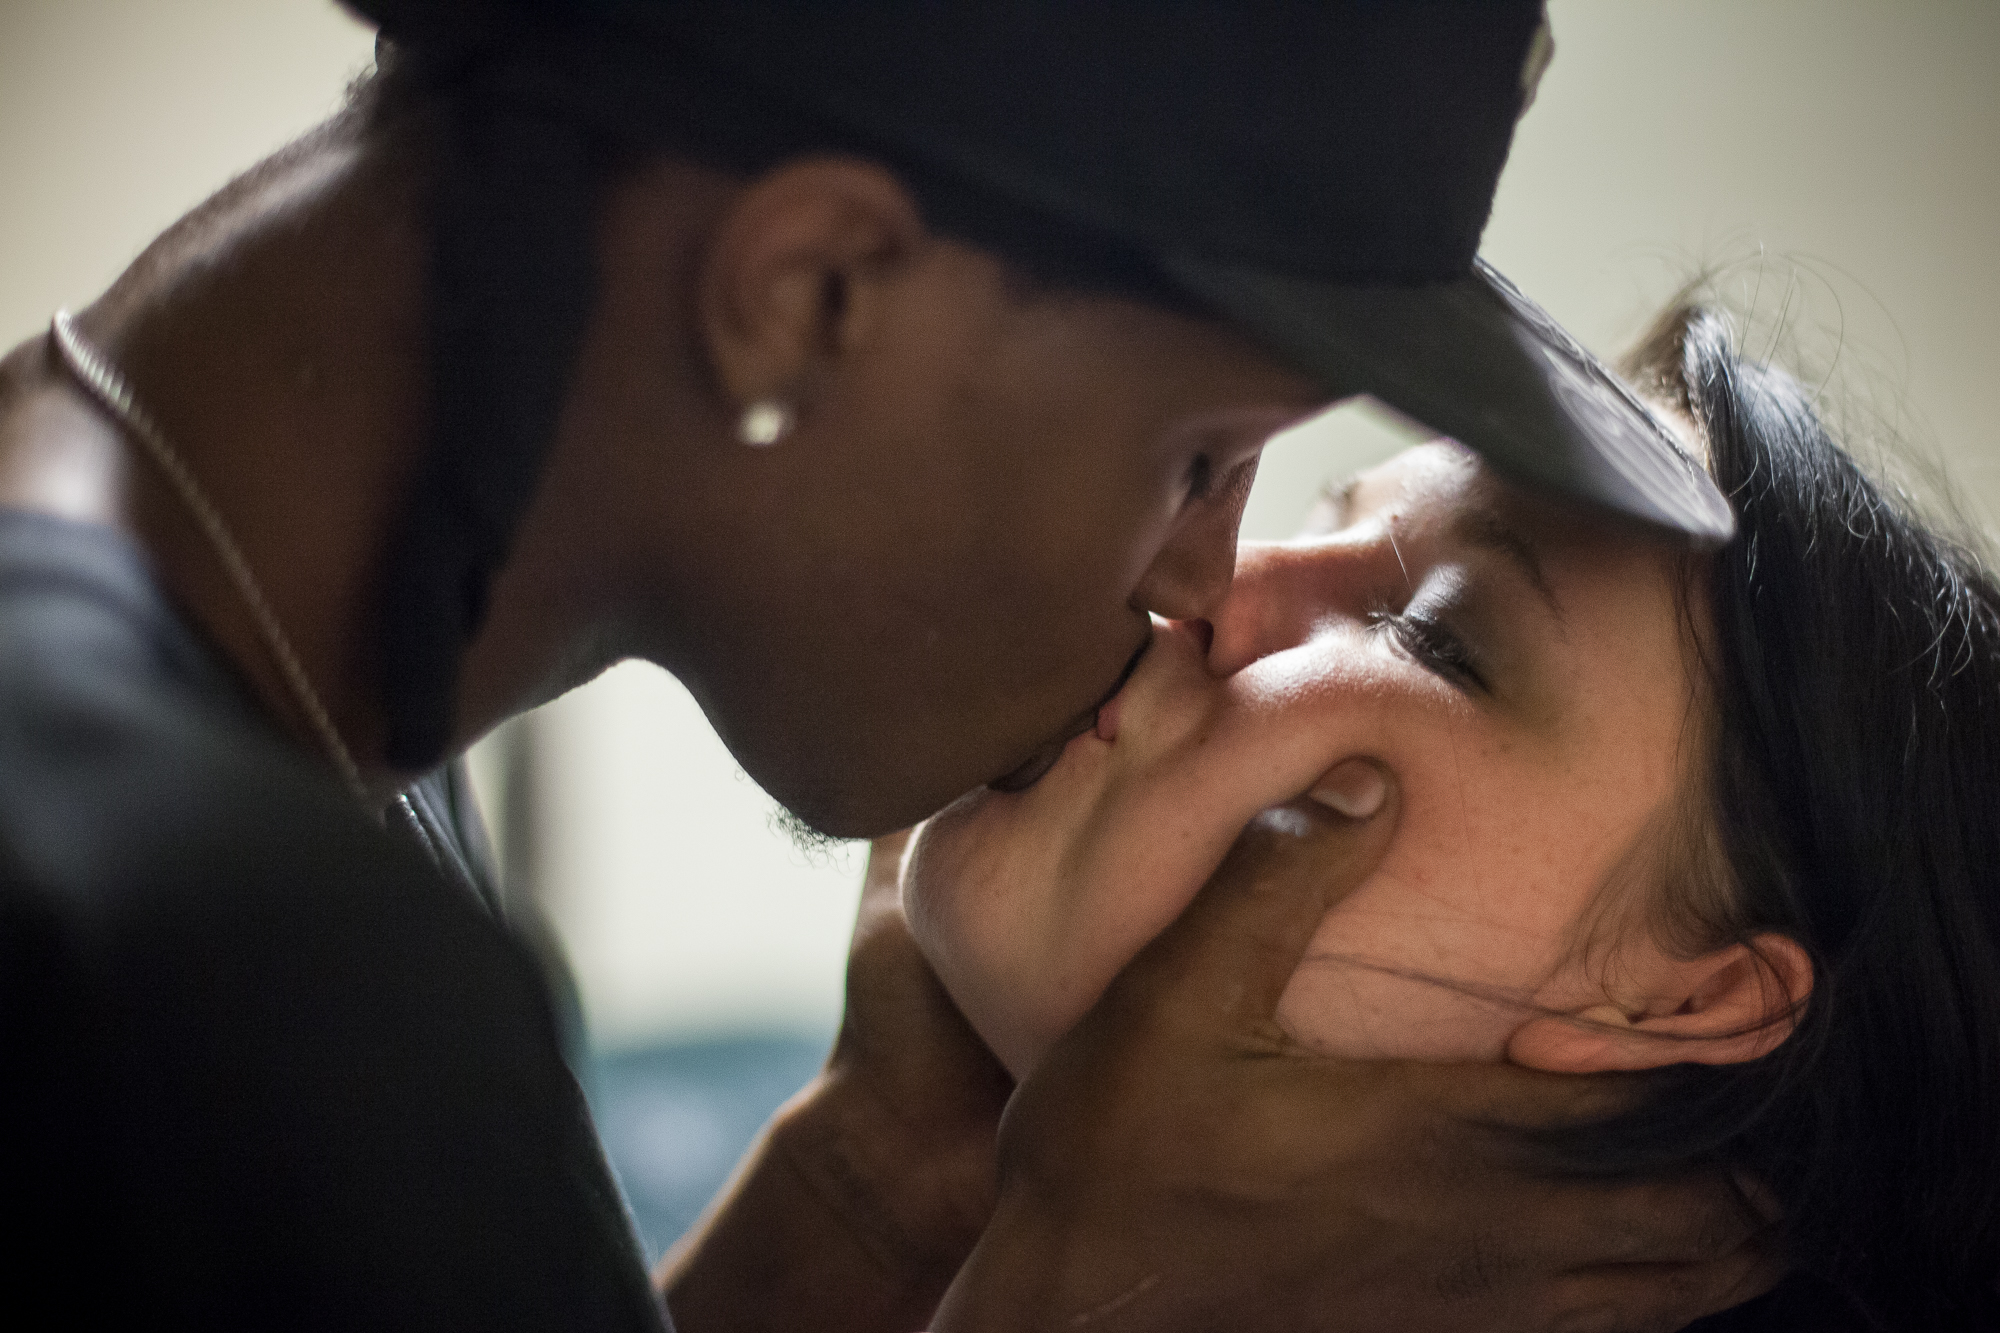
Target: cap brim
[(1474, 359)]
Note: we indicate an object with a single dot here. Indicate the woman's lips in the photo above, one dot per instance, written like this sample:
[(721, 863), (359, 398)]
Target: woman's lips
[(1038, 765), (1107, 716), (1101, 718)]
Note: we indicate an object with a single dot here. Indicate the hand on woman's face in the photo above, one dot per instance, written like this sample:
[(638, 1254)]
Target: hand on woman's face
[(1521, 670)]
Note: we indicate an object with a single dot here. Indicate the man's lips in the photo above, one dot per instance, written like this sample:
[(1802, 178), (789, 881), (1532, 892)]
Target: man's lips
[(1044, 759)]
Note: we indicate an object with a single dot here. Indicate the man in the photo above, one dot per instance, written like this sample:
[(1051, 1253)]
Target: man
[(879, 370)]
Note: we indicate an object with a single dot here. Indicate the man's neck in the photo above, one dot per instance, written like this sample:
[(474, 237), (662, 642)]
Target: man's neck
[(274, 337), (277, 337)]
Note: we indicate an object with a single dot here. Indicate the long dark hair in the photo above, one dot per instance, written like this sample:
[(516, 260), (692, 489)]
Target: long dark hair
[(1855, 789)]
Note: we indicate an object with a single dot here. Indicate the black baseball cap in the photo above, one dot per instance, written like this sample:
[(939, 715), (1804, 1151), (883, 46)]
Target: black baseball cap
[(1316, 174)]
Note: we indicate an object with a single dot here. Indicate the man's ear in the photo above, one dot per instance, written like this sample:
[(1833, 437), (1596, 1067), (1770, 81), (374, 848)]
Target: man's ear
[(792, 275), (1723, 1008)]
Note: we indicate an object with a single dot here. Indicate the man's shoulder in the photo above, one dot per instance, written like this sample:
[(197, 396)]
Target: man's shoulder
[(260, 1051), (150, 819), (96, 668), (122, 744)]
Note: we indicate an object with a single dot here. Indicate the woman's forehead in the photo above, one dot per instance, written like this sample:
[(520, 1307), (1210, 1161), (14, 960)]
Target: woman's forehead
[(1446, 482)]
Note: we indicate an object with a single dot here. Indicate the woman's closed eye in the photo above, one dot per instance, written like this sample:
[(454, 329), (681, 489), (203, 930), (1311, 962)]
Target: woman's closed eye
[(1434, 645)]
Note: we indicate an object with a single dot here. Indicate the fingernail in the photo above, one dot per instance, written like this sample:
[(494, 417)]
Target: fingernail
[(1354, 787)]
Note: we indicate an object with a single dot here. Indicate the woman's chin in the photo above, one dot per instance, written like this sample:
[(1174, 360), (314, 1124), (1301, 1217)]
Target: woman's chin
[(996, 1003)]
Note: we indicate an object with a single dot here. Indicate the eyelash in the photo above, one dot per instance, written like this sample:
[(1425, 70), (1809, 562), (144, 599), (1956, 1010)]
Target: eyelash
[(1434, 646)]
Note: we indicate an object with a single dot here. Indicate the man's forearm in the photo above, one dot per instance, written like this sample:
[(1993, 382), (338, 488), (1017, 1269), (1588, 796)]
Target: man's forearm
[(842, 1218)]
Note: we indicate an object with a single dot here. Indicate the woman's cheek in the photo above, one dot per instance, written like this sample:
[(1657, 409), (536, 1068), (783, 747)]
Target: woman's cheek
[(1336, 1007), (1431, 957), (1396, 970), (981, 900), (1352, 994)]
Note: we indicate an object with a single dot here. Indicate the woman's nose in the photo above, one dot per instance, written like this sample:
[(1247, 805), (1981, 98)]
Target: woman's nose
[(1281, 593)]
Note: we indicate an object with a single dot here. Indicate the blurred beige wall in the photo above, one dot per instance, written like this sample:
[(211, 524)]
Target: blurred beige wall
[(1855, 143), (1857, 137), (117, 116)]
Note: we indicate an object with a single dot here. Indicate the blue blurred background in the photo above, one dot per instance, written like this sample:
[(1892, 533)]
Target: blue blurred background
[(676, 1116)]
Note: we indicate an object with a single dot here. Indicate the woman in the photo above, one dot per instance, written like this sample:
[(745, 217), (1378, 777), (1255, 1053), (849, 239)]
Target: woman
[(1724, 820)]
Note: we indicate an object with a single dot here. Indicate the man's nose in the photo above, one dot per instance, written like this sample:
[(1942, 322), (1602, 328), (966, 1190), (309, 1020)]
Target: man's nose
[(1190, 576), (1282, 592)]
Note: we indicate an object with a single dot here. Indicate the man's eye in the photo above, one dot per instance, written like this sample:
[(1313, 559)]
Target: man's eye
[(1434, 646)]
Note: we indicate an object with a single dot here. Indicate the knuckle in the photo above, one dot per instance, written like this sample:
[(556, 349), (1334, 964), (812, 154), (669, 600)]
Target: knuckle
[(1660, 1299), (1722, 1227), (1606, 1316), (1481, 1267)]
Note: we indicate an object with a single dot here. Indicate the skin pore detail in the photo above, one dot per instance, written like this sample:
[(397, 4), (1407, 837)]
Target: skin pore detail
[(1523, 671)]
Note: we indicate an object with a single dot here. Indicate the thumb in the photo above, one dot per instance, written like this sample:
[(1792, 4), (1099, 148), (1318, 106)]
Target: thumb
[(1234, 949)]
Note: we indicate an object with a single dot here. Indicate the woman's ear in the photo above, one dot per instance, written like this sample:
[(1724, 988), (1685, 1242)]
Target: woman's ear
[(1723, 1008), (792, 274)]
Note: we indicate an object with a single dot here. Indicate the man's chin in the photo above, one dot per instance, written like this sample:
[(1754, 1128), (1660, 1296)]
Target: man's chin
[(816, 844), (816, 819), (868, 795)]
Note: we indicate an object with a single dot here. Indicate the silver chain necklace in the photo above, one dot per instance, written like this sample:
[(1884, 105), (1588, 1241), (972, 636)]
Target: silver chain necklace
[(94, 371)]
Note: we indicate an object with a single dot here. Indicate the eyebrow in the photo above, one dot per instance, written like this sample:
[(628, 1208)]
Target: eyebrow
[(1485, 527), (1342, 498)]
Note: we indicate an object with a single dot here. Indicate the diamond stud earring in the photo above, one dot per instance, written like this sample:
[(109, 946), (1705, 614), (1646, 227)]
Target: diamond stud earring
[(764, 423)]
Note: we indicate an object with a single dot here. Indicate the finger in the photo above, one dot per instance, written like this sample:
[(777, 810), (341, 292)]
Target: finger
[(1496, 1125), (1500, 1096), (1691, 1220), (1236, 946), (1635, 1298), (1683, 1220), (1757, 1196)]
